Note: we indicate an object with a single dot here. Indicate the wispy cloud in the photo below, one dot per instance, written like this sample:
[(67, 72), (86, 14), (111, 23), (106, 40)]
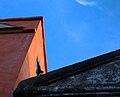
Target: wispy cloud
[(77, 33), (86, 3)]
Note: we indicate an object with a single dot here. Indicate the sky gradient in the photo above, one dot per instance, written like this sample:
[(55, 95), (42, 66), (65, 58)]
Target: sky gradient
[(75, 30)]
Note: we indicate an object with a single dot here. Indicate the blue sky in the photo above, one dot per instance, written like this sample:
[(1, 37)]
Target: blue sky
[(75, 30)]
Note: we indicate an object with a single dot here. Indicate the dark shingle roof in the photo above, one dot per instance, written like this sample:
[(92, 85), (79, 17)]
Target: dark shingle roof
[(67, 71)]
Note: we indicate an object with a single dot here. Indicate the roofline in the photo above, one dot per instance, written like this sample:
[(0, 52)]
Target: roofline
[(22, 18), (67, 71), (76, 68)]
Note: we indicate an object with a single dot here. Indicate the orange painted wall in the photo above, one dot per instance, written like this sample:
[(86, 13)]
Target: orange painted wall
[(18, 52), (36, 49), (13, 49)]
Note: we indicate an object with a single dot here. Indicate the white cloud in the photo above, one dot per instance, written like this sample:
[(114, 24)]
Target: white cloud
[(85, 2)]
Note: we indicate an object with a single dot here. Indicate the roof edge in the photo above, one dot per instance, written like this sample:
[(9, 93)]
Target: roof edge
[(76, 68), (70, 70), (44, 46), (22, 18)]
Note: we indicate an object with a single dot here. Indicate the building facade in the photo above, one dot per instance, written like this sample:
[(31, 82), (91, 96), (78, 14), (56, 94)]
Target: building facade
[(22, 47)]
